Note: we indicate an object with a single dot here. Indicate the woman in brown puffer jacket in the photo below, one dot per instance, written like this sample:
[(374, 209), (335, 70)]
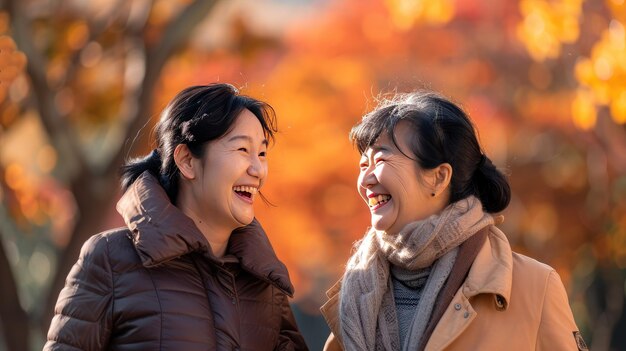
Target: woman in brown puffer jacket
[(193, 269)]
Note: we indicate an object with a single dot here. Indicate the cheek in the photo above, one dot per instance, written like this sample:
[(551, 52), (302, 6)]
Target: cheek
[(362, 194), (265, 171), (359, 187), (263, 177)]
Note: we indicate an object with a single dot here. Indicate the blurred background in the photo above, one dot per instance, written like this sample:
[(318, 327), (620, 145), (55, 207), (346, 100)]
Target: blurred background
[(82, 83)]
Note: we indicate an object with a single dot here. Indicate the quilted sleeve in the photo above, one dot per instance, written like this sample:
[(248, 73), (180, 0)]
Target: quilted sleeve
[(290, 338), (82, 319)]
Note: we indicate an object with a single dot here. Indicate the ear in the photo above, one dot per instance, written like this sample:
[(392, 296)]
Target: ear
[(441, 176), (184, 161)]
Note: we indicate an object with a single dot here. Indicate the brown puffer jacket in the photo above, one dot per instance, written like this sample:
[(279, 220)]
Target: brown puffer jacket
[(156, 286)]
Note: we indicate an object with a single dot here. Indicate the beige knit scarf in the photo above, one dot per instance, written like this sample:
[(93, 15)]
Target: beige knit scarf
[(367, 315)]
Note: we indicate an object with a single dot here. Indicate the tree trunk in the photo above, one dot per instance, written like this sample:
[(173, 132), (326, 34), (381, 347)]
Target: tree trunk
[(13, 318), (91, 202)]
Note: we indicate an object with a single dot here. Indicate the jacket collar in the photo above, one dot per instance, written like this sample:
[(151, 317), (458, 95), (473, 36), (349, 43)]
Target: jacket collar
[(161, 232), (492, 270)]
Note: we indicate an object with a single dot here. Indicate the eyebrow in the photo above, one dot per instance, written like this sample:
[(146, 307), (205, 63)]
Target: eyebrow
[(246, 138), (377, 148)]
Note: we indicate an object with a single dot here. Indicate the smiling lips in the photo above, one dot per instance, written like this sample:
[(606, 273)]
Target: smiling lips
[(246, 193), (376, 201)]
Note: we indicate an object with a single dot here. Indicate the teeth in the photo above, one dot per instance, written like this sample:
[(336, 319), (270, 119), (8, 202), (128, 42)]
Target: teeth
[(373, 201), (247, 189)]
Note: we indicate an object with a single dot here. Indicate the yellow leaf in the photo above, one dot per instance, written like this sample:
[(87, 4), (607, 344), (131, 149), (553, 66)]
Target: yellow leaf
[(405, 13), (546, 25), (584, 110), (618, 108)]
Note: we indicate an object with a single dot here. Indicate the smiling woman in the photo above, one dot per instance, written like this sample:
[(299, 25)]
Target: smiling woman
[(193, 269), (434, 272), (224, 182)]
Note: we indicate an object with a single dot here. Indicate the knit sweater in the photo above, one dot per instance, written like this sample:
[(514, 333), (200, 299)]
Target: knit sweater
[(407, 291)]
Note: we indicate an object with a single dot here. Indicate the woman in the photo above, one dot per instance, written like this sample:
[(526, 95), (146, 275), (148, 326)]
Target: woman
[(192, 270), (434, 272)]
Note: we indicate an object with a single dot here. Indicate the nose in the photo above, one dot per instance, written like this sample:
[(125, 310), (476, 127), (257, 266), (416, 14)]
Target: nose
[(367, 179), (257, 168)]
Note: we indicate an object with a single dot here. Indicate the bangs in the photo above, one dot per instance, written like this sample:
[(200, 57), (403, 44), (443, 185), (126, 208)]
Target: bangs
[(367, 132), (263, 111)]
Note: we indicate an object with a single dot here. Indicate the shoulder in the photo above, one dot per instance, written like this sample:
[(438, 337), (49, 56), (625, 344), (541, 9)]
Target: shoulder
[(101, 240), (521, 266), (109, 248), (527, 275), (536, 277), (524, 263), (100, 244)]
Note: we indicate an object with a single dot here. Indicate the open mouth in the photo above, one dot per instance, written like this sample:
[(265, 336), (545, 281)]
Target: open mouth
[(378, 201), (246, 192)]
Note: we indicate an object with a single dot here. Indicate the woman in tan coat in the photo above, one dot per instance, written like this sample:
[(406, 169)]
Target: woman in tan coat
[(434, 272), (192, 269)]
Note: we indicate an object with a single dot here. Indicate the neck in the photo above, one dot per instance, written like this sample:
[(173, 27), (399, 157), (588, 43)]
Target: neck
[(216, 234)]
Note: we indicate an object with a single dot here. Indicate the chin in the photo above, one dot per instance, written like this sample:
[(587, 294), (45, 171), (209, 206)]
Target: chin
[(244, 220), (379, 225)]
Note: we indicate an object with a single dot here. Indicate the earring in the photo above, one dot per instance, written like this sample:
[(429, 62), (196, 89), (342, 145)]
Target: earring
[(432, 194)]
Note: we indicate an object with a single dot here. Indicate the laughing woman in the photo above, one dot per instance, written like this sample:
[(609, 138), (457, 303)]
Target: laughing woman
[(434, 272), (192, 269)]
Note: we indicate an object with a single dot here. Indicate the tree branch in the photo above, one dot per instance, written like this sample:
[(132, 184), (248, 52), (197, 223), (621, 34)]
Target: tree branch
[(58, 131), (95, 30), (178, 31), (612, 137)]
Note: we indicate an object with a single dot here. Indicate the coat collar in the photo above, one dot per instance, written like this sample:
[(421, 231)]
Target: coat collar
[(492, 270), (161, 232)]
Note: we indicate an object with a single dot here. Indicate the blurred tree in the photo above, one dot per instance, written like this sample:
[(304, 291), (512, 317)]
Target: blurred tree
[(92, 69), (12, 62), (598, 106)]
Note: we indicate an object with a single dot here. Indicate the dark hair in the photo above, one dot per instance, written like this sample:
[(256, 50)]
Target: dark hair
[(443, 133), (195, 116)]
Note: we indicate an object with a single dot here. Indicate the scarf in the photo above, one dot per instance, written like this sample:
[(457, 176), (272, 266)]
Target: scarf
[(367, 311)]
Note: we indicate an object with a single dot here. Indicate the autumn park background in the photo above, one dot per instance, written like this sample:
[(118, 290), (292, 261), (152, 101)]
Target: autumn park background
[(82, 83)]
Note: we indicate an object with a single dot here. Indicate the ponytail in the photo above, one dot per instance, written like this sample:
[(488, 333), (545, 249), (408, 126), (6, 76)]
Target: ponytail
[(134, 168)]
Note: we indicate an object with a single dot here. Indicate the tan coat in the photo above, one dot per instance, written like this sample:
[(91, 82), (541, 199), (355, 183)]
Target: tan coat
[(507, 302)]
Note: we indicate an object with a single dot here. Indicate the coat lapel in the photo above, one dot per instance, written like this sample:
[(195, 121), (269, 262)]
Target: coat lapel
[(330, 310), (491, 273)]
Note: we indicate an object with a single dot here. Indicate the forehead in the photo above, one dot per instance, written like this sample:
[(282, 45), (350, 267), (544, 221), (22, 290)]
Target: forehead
[(246, 124), (402, 133)]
